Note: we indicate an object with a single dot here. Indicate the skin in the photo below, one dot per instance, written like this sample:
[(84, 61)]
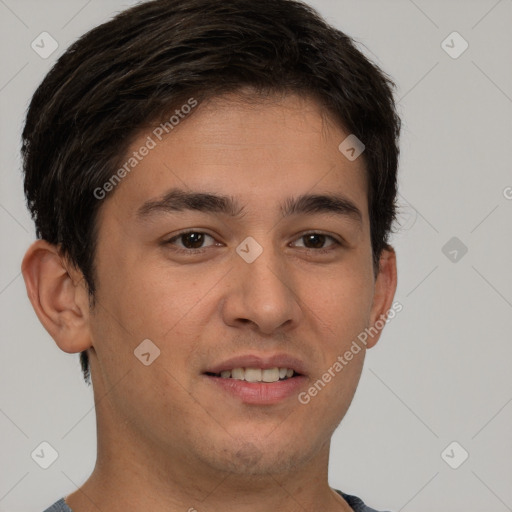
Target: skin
[(168, 439)]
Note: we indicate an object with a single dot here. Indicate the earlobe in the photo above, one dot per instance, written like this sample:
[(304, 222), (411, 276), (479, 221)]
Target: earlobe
[(385, 287), (58, 296)]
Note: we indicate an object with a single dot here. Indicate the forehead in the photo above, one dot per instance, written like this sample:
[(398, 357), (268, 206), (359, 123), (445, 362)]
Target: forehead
[(262, 151)]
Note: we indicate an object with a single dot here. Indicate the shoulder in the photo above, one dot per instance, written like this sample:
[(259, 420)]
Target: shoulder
[(59, 506), (356, 503)]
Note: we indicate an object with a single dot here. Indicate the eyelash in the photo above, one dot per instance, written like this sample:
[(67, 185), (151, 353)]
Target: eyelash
[(203, 250)]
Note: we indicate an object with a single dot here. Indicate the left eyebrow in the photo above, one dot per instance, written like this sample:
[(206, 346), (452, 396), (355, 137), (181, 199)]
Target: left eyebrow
[(321, 203), (181, 200)]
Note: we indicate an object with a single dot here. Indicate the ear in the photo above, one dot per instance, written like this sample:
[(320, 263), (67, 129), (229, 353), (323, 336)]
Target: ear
[(58, 295), (385, 287)]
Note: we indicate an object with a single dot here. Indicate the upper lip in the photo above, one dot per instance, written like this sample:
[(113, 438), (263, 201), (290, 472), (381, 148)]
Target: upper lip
[(260, 361)]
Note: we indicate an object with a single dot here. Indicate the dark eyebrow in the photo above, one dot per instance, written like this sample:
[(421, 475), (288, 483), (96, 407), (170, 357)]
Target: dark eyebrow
[(180, 200), (321, 203)]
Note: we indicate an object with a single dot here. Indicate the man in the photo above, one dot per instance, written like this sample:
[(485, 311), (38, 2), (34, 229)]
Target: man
[(213, 185)]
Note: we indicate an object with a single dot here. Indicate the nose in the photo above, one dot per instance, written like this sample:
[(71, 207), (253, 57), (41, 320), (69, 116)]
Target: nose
[(262, 293)]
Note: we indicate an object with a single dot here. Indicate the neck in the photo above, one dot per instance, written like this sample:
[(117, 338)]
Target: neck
[(127, 477), (134, 472)]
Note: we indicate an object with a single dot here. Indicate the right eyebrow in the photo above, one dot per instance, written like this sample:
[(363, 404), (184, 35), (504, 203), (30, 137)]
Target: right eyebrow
[(179, 200)]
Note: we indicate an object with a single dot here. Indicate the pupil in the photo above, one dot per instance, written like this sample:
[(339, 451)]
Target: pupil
[(319, 238), (195, 238)]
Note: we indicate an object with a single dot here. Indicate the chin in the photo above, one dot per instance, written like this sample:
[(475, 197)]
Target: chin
[(248, 458)]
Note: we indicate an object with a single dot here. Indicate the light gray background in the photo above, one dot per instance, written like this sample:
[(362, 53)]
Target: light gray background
[(441, 371)]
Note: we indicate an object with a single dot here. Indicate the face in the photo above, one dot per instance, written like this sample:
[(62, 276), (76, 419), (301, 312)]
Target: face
[(253, 279)]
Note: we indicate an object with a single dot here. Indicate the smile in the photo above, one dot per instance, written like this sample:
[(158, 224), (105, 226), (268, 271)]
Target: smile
[(256, 374)]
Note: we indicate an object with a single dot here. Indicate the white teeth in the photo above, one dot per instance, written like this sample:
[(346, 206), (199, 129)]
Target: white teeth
[(253, 374), (270, 375), (238, 373), (257, 374)]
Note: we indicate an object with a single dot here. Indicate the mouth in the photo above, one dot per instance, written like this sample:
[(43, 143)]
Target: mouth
[(258, 380), (257, 374)]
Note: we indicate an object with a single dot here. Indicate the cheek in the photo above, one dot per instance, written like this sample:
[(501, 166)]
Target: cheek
[(343, 301), (171, 309), (151, 299), (345, 308), (342, 313), (136, 308)]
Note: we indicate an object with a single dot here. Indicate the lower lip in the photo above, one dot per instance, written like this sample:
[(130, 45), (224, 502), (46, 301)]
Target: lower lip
[(261, 393)]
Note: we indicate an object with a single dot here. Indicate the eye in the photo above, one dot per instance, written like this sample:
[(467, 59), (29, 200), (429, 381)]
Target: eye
[(316, 241), (191, 241)]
